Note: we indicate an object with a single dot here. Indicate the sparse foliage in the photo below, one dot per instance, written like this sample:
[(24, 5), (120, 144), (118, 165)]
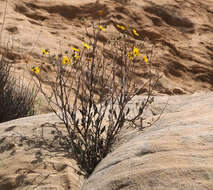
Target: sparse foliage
[(16, 99), (91, 91)]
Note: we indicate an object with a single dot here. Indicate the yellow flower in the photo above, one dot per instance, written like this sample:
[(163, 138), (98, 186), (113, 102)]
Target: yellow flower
[(135, 32), (76, 56), (86, 46), (45, 51), (121, 27), (130, 56), (75, 49), (136, 51), (145, 59), (100, 12), (36, 70), (66, 60), (101, 28)]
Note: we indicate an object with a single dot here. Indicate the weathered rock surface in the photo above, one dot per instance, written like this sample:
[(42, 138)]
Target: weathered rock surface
[(32, 156), (181, 32), (175, 153)]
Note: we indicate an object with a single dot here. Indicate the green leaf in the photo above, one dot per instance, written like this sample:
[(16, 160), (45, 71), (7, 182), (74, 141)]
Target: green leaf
[(102, 130), (73, 115), (95, 109), (90, 104), (97, 122), (127, 112), (77, 122), (151, 100), (106, 103), (114, 112), (140, 110), (83, 111), (83, 121), (89, 121)]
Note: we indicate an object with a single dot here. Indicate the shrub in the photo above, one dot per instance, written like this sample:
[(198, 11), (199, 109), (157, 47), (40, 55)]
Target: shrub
[(92, 89), (16, 100)]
